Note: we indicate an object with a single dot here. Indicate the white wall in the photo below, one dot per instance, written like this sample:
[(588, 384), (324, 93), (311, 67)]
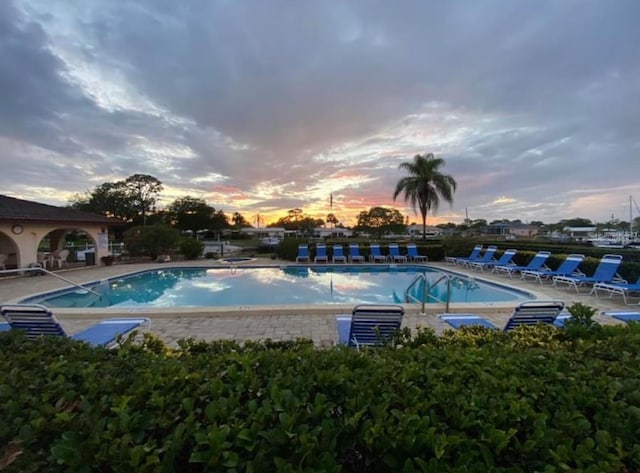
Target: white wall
[(25, 244)]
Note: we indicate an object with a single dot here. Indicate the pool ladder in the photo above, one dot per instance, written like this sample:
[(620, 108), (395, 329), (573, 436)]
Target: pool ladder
[(426, 289)]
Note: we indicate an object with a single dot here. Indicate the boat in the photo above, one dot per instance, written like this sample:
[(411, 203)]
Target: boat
[(270, 242), (604, 242), (614, 238)]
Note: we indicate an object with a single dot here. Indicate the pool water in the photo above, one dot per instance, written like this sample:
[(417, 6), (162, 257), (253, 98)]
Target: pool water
[(202, 287)]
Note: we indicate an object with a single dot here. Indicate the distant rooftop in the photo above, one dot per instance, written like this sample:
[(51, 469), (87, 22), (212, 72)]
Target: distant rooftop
[(12, 209), (580, 229)]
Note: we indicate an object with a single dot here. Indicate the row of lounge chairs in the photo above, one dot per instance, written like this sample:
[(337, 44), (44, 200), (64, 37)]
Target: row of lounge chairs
[(373, 325), (605, 279), (367, 325), (370, 325), (354, 256)]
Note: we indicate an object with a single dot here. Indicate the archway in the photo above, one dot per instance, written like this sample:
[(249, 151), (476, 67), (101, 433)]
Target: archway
[(62, 247), (9, 252)]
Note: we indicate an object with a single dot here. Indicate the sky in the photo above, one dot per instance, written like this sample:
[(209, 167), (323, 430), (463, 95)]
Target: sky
[(262, 106)]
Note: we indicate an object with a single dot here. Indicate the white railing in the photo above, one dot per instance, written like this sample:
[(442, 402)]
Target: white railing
[(38, 269)]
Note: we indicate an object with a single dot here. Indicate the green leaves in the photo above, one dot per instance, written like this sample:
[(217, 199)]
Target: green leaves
[(472, 400)]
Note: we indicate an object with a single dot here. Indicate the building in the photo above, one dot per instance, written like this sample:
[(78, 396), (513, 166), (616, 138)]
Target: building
[(579, 233), (25, 224), (337, 232), (524, 230), (415, 231), (265, 232)]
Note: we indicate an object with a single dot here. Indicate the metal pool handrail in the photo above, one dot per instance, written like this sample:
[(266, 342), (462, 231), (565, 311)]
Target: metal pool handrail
[(426, 291), (46, 271)]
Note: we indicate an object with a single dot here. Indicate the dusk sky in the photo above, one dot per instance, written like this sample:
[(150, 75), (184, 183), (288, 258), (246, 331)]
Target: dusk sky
[(263, 106)]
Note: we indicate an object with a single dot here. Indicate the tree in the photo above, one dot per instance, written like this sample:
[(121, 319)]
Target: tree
[(576, 222), (127, 200), (219, 221), (239, 221), (295, 215), (381, 220), (110, 199), (143, 191), (332, 219), (298, 221), (425, 186), (151, 240), (190, 213), (307, 225)]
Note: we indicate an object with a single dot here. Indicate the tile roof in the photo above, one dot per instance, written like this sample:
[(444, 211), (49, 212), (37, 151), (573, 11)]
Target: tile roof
[(12, 209)]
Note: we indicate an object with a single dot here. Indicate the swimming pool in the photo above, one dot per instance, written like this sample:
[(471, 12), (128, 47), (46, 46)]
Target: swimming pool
[(287, 285)]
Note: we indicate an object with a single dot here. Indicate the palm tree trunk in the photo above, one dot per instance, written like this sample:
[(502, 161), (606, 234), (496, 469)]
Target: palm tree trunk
[(424, 226)]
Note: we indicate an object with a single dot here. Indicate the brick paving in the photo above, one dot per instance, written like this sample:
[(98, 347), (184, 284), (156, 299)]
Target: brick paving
[(259, 323)]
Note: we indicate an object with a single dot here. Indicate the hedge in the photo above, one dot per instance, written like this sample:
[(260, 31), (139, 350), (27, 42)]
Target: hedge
[(538, 399)]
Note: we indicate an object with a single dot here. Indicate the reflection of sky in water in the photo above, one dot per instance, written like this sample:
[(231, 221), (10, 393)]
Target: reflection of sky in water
[(269, 286)]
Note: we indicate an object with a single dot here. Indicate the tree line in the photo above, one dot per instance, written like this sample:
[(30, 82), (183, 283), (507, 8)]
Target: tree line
[(134, 201)]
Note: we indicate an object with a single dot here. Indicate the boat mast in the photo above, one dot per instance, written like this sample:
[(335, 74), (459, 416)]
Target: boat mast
[(632, 203)]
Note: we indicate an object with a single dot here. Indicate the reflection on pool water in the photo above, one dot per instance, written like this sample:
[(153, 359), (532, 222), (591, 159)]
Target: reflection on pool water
[(205, 287)]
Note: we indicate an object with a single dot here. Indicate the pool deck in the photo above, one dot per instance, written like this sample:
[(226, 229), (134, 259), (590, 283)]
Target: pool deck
[(274, 322)]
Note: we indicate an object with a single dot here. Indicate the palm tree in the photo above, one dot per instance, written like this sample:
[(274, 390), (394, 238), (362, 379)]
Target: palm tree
[(425, 185)]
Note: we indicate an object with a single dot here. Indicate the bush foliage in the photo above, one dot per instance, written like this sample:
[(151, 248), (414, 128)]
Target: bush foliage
[(190, 248), (538, 399), (150, 240)]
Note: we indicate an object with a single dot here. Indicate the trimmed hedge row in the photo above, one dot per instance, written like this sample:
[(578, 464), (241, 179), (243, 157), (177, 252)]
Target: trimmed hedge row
[(537, 399)]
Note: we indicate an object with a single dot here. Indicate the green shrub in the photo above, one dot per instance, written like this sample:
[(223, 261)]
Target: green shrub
[(190, 248), (288, 248), (150, 240), (475, 400)]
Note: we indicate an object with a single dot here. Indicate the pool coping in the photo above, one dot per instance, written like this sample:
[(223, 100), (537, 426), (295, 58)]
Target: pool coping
[(279, 309)]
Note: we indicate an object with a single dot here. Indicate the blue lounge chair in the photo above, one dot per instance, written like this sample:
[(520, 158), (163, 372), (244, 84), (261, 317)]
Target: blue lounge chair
[(504, 260), (374, 254), (338, 254), (303, 254), (394, 254), (623, 315), (37, 320), (473, 256), (621, 289), (321, 254), (606, 272), (527, 313), (562, 319), (4, 327), (354, 253), (369, 325), (537, 263), (569, 267), (414, 256), (487, 257)]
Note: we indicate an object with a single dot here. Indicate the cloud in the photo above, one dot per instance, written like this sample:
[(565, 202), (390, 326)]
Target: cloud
[(266, 106)]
